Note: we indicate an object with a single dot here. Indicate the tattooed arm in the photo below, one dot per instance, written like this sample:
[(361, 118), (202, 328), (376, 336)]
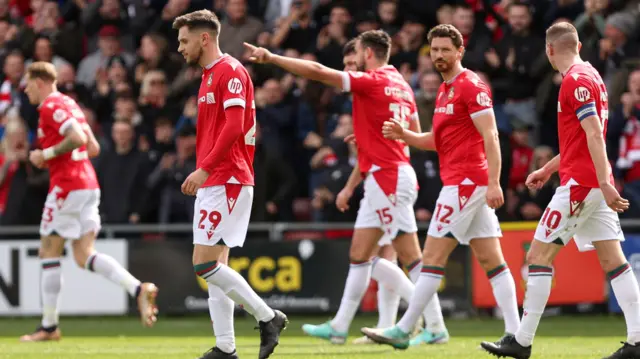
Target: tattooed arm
[(74, 137)]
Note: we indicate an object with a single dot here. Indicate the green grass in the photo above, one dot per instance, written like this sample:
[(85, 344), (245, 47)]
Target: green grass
[(124, 338)]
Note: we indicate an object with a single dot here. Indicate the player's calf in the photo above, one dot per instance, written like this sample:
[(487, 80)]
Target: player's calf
[(50, 252), (86, 257), (624, 284), (489, 254)]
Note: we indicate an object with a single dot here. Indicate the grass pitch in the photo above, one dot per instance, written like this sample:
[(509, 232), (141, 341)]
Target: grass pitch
[(92, 338)]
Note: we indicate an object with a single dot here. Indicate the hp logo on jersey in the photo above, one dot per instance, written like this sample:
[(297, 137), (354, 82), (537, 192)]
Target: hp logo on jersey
[(234, 85), (582, 94)]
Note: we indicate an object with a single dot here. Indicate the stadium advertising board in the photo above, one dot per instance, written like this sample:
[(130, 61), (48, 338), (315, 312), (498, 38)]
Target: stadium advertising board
[(631, 249), (577, 277), (83, 293), (296, 276)]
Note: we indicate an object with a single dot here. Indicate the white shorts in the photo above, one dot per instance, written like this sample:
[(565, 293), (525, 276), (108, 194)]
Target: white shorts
[(221, 215), (462, 213), (581, 213), (391, 213), (71, 214)]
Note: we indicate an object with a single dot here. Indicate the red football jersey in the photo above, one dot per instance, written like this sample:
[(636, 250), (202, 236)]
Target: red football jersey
[(379, 95), (582, 94), (459, 144), (226, 83), (70, 171)]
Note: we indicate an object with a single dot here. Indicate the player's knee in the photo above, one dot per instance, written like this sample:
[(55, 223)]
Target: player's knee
[(539, 258), (50, 247), (82, 250), (434, 258), (359, 256)]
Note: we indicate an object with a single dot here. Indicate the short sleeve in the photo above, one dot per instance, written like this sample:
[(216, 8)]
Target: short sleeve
[(578, 95), (57, 117), (478, 99), (357, 81), (233, 88)]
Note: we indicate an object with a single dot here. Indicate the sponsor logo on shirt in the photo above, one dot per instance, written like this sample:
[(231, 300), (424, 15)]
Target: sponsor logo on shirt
[(582, 94), (210, 98), (483, 99), (234, 85)]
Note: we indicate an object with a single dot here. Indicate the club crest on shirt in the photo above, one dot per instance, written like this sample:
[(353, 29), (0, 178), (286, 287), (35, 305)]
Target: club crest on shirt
[(210, 79), (451, 93)]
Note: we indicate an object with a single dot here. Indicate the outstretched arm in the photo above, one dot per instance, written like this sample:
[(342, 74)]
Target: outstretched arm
[(304, 68)]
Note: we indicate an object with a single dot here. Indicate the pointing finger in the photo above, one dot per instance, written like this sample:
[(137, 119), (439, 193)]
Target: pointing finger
[(249, 46)]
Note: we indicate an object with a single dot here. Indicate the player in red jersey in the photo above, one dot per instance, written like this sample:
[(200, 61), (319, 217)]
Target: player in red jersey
[(223, 182), (386, 211), (393, 285), (584, 207), (466, 139), (71, 208)]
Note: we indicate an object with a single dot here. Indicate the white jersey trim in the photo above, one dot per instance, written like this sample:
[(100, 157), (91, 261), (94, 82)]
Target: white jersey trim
[(346, 81), (234, 102), (482, 112), (66, 124)]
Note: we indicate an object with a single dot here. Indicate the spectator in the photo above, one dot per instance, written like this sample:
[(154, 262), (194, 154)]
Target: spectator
[(10, 91), (238, 27), (27, 182), (120, 176), (275, 182), (297, 30), (14, 149), (518, 52), (108, 47), (477, 41), (169, 175)]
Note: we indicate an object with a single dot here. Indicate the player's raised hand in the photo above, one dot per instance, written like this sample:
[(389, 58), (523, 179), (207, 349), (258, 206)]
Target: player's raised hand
[(195, 180), (258, 55), (537, 179), (495, 198), (613, 198), (342, 200), (37, 158), (392, 130)]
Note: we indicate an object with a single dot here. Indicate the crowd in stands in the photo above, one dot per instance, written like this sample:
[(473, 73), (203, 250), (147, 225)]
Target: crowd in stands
[(118, 58)]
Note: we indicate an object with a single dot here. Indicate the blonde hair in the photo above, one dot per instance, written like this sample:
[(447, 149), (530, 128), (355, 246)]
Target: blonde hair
[(42, 70)]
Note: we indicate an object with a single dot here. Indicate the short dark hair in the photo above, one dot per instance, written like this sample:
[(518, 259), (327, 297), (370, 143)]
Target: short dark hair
[(378, 41), (349, 48), (448, 31), (204, 19)]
